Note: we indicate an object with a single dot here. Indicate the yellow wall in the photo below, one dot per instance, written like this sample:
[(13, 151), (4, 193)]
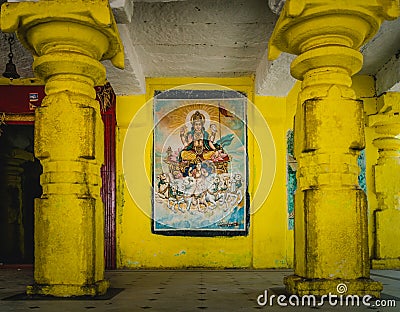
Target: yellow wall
[(269, 242)]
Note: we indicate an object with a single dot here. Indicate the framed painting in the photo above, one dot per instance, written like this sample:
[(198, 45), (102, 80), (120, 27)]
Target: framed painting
[(200, 165)]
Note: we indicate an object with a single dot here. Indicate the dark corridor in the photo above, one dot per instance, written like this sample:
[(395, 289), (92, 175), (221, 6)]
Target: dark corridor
[(19, 185)]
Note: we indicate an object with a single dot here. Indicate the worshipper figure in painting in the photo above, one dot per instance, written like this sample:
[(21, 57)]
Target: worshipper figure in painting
[(199, 168)]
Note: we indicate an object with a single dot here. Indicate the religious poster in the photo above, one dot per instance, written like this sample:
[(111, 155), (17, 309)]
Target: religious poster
[(200, 163)]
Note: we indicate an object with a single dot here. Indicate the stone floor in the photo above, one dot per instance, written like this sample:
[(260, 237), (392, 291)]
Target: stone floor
[(189, 290)]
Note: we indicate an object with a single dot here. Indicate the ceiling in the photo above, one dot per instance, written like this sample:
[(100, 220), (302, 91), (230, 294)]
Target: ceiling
[(192, 38)]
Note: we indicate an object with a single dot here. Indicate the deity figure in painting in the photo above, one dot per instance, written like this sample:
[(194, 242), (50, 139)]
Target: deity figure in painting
[(198, 143)]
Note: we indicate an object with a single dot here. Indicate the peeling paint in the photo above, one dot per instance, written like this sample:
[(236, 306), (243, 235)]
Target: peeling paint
[(182, 252), (280, 262), (130, 263), (120, 197)]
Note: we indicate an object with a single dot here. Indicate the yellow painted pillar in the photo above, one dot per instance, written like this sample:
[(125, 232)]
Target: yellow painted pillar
[(386, 122), (67, 39), (331, 234)]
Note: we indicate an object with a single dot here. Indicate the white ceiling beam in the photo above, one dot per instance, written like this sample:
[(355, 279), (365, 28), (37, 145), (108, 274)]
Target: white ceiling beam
[(381, 47), (130, 80), (273, 77), (123, 10), (388, 77)]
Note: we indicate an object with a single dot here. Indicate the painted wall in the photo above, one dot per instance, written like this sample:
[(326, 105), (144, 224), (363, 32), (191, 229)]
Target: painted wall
[(269, 243)]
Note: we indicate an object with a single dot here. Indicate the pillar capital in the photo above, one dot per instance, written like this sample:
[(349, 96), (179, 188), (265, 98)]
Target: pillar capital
[(92, 16), (386, 123), (326, 36), (67, 40), (307, 24)]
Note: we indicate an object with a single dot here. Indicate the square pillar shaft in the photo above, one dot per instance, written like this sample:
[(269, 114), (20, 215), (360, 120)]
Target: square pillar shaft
[(386, 122), (331, 237)]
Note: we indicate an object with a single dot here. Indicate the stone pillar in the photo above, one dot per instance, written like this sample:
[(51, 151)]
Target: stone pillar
[(331, 234), (68, 39), (386, 251)]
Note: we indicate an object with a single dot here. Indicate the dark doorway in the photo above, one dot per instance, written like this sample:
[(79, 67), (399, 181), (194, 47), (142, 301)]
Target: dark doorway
[(18, 104), (19, 185)]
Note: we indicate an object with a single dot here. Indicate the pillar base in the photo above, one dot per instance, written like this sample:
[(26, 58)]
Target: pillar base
[(302, 286), (96, 289), (385, 264)]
